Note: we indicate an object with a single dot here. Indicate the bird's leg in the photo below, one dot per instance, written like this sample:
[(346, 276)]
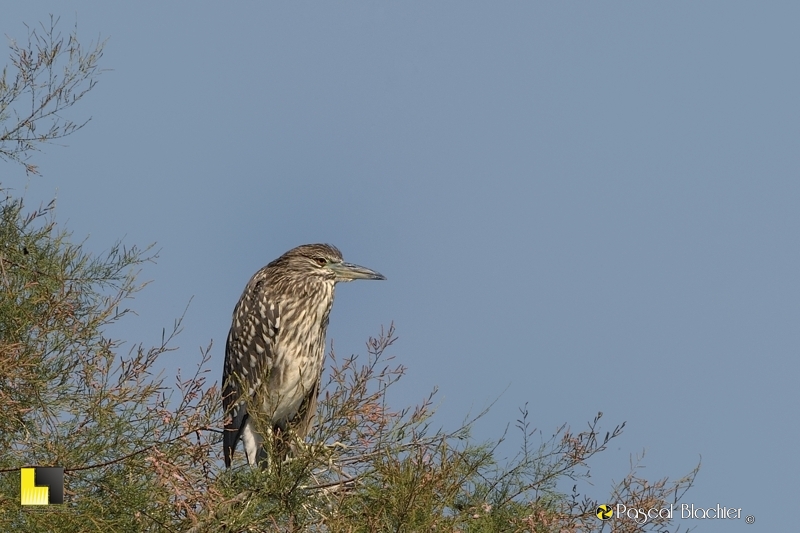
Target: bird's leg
[(263, 452), (253, 443)]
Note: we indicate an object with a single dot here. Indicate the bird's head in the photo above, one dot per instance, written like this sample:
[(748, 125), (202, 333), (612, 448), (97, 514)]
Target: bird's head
[(323, 262)]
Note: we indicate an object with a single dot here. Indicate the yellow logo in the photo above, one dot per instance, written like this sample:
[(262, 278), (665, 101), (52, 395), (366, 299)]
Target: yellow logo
[(41, 486), (604, 512)]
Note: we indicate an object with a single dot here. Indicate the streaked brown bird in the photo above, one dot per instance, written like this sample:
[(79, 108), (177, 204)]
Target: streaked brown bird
[(276, 345)]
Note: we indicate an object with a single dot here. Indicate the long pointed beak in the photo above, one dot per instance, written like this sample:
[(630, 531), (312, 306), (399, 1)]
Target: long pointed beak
[(349, 272)]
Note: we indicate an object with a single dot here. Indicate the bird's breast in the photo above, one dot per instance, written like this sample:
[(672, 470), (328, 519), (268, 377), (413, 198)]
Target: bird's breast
[(299, 355)]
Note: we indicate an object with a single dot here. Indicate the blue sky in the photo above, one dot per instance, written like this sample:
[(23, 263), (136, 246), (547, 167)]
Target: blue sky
[(589, 206)]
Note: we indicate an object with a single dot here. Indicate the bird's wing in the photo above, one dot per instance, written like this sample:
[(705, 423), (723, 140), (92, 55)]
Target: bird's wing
[(249, 351)]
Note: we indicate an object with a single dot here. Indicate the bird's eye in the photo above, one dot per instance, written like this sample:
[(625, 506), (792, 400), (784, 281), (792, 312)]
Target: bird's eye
[(321, 261)]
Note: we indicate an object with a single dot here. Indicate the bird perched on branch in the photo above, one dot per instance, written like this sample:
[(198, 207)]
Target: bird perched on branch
[(276, 345)]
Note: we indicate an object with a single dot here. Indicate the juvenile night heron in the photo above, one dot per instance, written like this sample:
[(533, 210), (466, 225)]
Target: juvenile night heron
[(276, 345)]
